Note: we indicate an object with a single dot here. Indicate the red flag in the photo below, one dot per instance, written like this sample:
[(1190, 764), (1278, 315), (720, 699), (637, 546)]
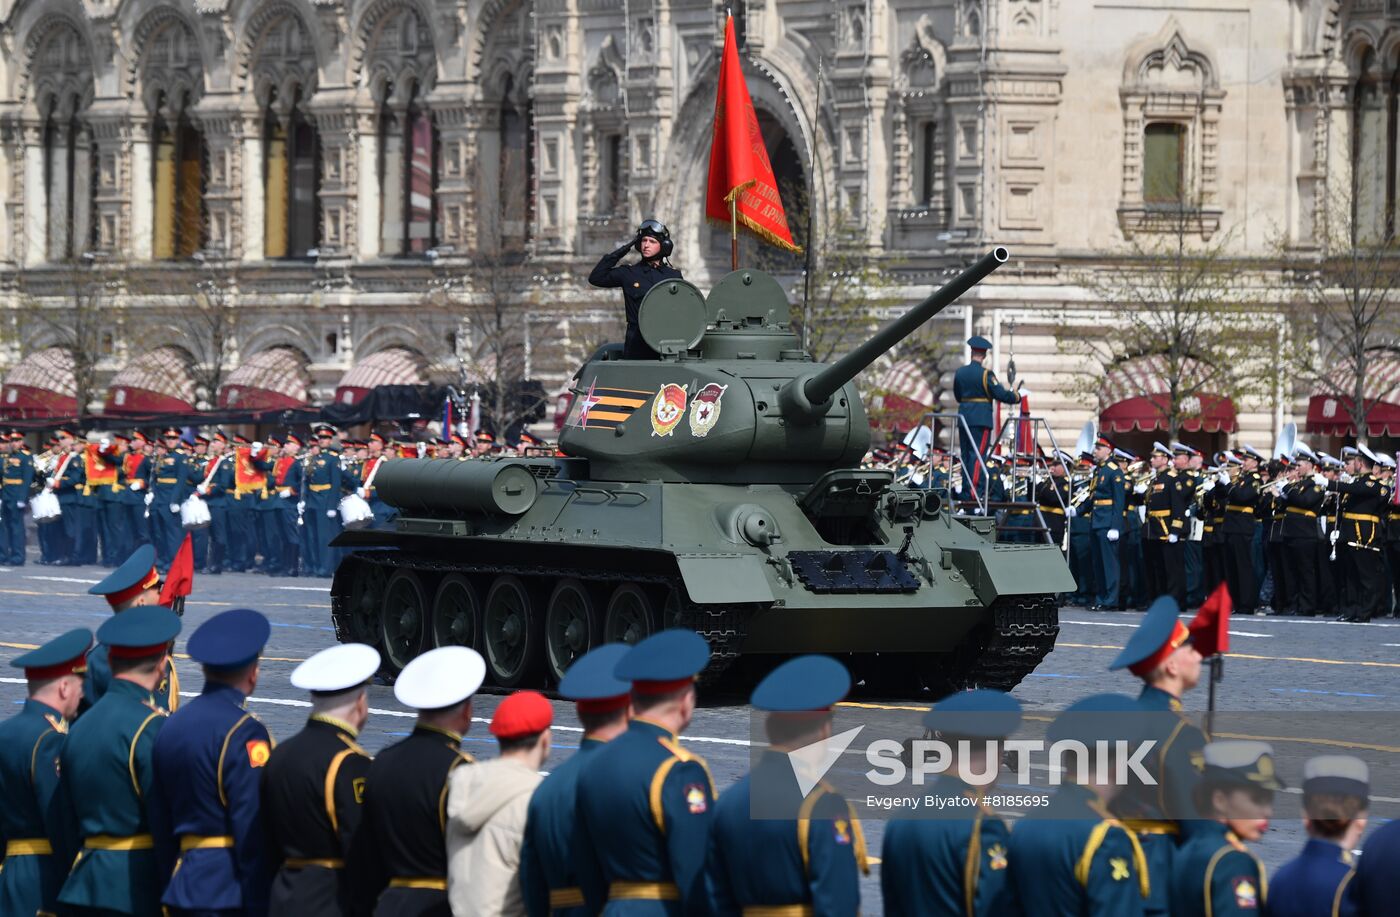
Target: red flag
[(179, 582), (1210, 629), (739, 166)]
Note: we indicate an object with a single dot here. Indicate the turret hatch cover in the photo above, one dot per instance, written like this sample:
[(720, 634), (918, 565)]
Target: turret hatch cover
[(672, 317), (747, 296)]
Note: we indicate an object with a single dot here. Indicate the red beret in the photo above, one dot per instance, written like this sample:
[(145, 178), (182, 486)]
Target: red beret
[(522, 714)]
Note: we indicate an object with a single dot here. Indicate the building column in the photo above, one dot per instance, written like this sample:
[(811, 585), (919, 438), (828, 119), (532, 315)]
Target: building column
[(337, 127), (252, 224), (391, 239), (59, 195), (557, 92), (36, 212), (82, 191), (141, 190), (11, 186), (367, 191)]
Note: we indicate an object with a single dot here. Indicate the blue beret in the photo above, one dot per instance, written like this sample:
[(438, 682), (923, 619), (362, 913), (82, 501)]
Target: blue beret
[(136, 570), (669, 656), (591, 676), (1156, 628), (802, 684), (230, 640), (145, 627), (49, 660), (1096, 718), (977, 342), (979, 714)]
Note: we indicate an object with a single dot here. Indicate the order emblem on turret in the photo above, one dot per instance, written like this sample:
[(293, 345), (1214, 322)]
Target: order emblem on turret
[(704, 409), (667, 409)]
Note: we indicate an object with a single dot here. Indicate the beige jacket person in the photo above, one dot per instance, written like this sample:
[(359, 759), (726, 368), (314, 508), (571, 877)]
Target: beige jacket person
[(486, 806)]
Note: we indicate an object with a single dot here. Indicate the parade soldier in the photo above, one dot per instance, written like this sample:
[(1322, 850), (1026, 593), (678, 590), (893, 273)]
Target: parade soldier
[(53, 543), (170, 486), (398, 859), (37, 847), (1072, 856), (265, 459), (955, 864), (975, 387), (216, 479), (1214, 874), (135, 583), (1161, 653), (135, 491), (653, 243), (1375, 887), (314, 786), (1109, 502), (1164, 541), (1081, 545), (1132, 577), (15, 482), (85, 519), (772, 849), (1241, 497), (107, 774), (1336, 795), (548, 881), (208, 760), (104, 474), (1301, 501), (323, 488), (1183, 456), (245, 486), (1213, 548), (1052, 496), (369, 471), (1364, 500), (645, 802), (287, 489), (67, 482)]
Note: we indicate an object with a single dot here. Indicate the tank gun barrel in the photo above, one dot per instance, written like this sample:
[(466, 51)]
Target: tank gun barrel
[(817, 388)]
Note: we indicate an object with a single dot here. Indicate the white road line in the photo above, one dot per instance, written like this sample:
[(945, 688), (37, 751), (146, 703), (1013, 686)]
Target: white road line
[(304, 588), (65, 579), (1233, 633)]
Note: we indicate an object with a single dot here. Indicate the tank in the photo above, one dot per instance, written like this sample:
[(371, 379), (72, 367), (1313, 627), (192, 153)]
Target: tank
[(718, 488)]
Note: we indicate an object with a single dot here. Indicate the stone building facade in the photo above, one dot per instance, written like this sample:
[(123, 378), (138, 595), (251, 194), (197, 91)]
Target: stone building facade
[(342, 161)]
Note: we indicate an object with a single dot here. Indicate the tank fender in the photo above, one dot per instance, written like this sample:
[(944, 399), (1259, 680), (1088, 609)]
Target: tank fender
[(723, 579), (997, 570)]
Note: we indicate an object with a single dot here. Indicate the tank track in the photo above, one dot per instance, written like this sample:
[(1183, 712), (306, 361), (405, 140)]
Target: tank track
[(1020, 635)]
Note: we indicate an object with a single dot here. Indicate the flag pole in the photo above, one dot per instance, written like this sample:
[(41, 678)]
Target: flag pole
[(1217, 672), (734, 233)]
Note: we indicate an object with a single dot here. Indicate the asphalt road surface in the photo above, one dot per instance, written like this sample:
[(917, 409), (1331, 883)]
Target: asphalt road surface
[(1313, 687)]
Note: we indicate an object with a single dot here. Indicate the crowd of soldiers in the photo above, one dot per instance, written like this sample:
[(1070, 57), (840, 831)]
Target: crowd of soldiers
[(121, 800)]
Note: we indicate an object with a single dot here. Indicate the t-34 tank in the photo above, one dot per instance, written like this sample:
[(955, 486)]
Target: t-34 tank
[(717, 488)]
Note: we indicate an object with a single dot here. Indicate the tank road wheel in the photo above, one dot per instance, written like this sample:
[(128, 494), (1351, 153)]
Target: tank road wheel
[(403, 619), (366, 601), (456, 613), (570, 626), (511, 632), (673, 612), (631, 615)]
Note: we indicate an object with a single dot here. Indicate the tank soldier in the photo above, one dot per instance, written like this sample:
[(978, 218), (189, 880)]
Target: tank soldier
[(1336, 795), (1375, 887), (1364, 500), (37, 848), (548, 880), (957, 864), (15, 483), (653, 243), (314, 785), (1160, 652), (1300, 501), (107, 774), (398, 858), (1075, 833), (1108, 514), (771, 849), (1164, 541), (975, 387), (1215, 875), (645, 802), (133, 584), (322, 518), (204, 801)]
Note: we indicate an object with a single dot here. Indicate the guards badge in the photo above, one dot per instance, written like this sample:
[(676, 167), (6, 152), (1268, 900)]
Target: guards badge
[(704, 409), (695, 799), (996, 857), (1246, 896), (258, 753), (667, 409)]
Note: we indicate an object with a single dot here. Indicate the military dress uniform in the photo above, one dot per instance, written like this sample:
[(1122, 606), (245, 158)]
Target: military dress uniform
[(286, 489), (635, 281), (67, 482), (170, 486), (323, 486), (1359, 546), (216, 476), (1375, 887), (1109, 512), (1052, 496), (15, 482), (1298, 508), (135, 478), (1164, 541), (1241, 498), (138, 574), (107, 775), (1315, 882), (975, 387), (37, 845), (208, 760)]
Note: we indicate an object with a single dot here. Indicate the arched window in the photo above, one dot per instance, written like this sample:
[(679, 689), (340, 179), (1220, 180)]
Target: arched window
[(291, 179), (178, 182), (408, 154)]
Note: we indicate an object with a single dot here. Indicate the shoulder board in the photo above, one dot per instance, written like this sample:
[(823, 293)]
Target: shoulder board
[(59, 725), (151, 704), (463, 756), (679, 750), (1110, 465)]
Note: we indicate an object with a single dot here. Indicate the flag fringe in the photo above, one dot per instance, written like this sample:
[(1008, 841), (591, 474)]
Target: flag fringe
[(763, 233)]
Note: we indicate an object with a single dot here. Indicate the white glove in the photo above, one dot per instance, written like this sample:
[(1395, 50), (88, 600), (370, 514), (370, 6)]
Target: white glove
[(1224, 477), (19, 505), (1071, 512), (1333, 536), (1023, 392), (1345, 478), (150, 498), (136, 485), (1141, 488), (104, 443), (257, 447), (1112, 534), (284, 492), (330, 514), (301, 507), (174, 507), (48, 488), (1172, 539), (362, 493), (1320, 479), (1142, 514), (202, 489)]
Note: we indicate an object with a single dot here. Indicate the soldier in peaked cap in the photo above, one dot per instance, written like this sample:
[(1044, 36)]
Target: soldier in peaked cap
[(957, 863), (1164, 536), (772, 845), (15, 480), (1240, 495), (548, 880), (1073, 856), (1298, 506), (1336, 794), (107, 773), (134, 584), (208, 765), (37, 847), (313, 787), (1160, 652), (1214, 874), (398, 859), (975, 387), (1364, 500), (644, 801), (170, 485), (1108, 516)]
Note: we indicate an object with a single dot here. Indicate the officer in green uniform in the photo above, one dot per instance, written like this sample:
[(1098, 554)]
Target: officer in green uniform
[(646, 802), (548, 880), (1073, 856), (398, 859), (37, 846), (135, 583), (15, 481), (1108, 516), (772, 848), (955, 863), (1214, 874), (107, 774)]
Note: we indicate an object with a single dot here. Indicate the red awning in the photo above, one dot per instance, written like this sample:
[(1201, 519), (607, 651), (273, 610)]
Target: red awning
[(156, 382), (272, 380), (1330, 414), (395, 366), (901, 396), (40, 386), (1135, 397)]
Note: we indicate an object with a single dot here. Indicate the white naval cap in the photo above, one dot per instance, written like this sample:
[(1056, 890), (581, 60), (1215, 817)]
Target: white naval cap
[(440, 678), (337, 668), (1385, 459), (1366, 453), (1341, 775)]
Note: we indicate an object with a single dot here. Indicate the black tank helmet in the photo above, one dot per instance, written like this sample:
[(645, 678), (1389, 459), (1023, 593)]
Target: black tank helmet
[(658, 231)]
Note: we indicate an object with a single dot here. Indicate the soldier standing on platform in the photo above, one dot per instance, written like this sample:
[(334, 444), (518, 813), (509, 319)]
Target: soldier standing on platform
[(1336, 795), (1164, 541), (313, 787), (323, 487), (955, 864), (548, 880), (645, 802), (653, 243), (1108, 514), (37, 848), (15, 483), (1364, 500), (398, 859), (975, 387), (107, 774), (772, 849)]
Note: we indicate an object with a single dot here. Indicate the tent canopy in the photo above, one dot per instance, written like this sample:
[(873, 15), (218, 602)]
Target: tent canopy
[(394, 366), (158, 381), (1136, 396), (271, 380), (41, 385)]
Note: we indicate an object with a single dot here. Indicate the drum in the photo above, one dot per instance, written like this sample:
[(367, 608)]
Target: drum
[(194, 513), (46, 508), (355, 512)]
